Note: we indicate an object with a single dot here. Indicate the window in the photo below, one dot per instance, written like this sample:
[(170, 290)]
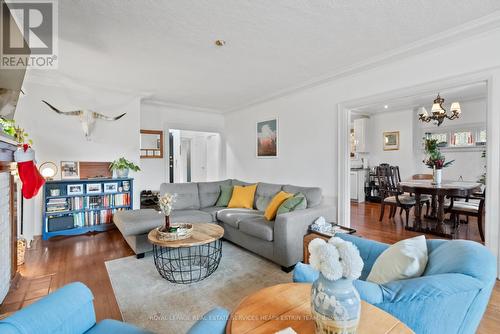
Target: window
[(462, 138), (442, 139), (481, 138)]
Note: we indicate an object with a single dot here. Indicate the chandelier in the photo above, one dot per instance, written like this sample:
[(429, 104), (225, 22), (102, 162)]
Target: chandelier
[(438, 113)]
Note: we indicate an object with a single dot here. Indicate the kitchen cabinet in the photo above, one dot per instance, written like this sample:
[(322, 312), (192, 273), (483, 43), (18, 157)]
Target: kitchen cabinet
[(357, 187), (354, 185)]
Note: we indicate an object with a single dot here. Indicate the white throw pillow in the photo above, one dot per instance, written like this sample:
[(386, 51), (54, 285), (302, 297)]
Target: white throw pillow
[(405, 259)]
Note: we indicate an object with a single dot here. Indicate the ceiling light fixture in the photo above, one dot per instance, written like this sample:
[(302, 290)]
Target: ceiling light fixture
[(386, 106), (438, 113), (220, 42)]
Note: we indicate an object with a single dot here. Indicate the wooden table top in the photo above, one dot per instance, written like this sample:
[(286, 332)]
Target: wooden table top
[(457, 188), (444, 184), (289, 305), (203, 233)]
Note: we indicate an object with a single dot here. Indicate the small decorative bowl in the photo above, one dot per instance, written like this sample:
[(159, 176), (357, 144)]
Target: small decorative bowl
[(178, 231)]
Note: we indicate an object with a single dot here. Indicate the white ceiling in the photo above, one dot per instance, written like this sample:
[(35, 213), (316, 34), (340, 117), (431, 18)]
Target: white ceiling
[(166, 48)]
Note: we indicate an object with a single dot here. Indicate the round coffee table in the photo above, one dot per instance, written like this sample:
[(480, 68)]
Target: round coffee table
[(289, 305), (189, 260)]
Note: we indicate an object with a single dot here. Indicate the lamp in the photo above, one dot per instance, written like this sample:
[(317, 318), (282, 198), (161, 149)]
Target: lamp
[(455, 108), (48, 170), (423, 112), (438, 113)]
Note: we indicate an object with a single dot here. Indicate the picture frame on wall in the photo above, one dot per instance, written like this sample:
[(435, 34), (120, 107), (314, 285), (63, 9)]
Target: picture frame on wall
[(111, 187), (70, 170), (74, 189), (94, 188), (267, 138), (391, 141)]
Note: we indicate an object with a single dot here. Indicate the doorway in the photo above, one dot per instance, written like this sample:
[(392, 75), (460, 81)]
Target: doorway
[(473, 93), (194, 156)]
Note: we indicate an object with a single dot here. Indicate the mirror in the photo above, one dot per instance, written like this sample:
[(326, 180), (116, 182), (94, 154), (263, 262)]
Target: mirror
[(151, 144)]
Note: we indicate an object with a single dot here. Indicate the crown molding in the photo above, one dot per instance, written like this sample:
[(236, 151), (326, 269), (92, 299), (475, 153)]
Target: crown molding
[(180, 106), (55, 78), (451, 36)]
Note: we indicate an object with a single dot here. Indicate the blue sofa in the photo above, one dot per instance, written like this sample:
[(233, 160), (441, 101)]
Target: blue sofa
[(69, 310), (450, 297)]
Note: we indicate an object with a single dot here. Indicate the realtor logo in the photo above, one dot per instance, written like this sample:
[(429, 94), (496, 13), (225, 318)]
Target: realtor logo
[(29, 34)]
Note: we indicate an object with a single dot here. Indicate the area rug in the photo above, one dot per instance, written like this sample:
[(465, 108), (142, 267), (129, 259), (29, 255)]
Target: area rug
[(151, 302)]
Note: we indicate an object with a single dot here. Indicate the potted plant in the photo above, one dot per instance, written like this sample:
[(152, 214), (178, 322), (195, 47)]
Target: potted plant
[(435, 159), (9, 128), (482, 179), (122, 166), (335, 302)]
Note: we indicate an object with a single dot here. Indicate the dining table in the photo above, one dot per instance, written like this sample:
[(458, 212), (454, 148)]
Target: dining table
[(439, 193)]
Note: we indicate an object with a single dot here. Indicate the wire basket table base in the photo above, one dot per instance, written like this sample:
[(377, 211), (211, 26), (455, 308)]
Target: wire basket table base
[(184, 265)]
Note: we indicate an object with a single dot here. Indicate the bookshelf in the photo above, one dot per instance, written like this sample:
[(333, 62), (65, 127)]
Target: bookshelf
[(72, 207)]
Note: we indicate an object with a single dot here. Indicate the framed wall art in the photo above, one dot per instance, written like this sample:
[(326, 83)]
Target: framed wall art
[(267, 138), (391, 141)]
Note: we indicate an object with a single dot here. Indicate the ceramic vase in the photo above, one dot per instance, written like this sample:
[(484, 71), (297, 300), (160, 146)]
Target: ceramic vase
[(122, 173), (335, 306), (436, 176)]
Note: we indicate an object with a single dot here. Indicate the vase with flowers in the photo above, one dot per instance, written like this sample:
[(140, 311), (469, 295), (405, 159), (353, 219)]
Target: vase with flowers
[(166, 202), (335, 302), (435, 159)]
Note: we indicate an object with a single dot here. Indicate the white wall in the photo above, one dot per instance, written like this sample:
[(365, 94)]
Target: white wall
[(308, 119), (214, 151), (58, 137), (156, 116), (405, 157)]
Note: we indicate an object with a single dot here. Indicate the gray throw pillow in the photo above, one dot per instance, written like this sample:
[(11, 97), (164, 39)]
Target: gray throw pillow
[(226, 192), (296, 202)]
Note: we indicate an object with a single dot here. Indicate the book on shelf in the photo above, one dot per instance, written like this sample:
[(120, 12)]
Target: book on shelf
[(88, 202), (57, 205), (91, 218)]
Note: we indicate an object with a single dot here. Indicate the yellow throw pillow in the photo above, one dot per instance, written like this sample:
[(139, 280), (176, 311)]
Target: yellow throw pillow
[(242, 197), (272, 207)]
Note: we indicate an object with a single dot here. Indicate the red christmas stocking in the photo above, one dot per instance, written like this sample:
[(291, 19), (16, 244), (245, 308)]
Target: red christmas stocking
[(28, 173)]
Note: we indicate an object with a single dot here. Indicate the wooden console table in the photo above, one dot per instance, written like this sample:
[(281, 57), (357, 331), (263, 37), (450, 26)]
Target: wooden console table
[(289, 305)]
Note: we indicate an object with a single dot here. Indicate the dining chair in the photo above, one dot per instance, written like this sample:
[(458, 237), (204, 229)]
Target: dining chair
[(388, 179), (472, 206)]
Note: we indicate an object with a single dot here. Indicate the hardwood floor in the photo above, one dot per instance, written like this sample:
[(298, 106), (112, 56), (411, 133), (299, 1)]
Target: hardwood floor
[(56, 262), (365, 219)]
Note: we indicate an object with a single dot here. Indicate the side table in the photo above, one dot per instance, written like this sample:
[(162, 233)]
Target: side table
[(189, 260), (289, 305), (315, 234)]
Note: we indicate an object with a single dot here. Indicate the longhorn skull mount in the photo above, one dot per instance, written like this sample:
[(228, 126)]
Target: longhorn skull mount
[(87, 117)]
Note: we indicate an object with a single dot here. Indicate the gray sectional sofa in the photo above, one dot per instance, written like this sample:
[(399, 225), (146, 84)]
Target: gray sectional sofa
[(280, 241)]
